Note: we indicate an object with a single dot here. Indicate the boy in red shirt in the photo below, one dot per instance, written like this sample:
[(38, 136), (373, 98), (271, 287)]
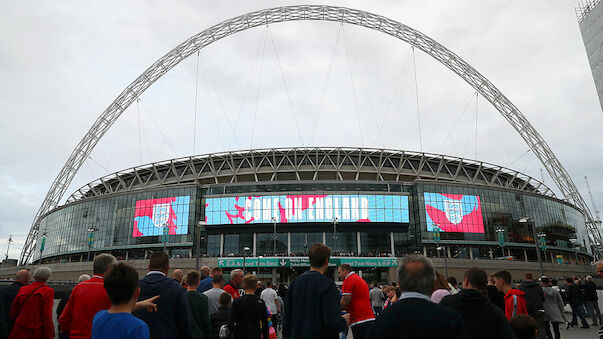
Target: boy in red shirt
[(515, 302), (356, 301)]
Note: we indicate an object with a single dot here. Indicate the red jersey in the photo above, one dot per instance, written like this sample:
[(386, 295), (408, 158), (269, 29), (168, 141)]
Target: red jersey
[(360, 305), (515, 303), (87, 298), (233, 291), (32, 312)]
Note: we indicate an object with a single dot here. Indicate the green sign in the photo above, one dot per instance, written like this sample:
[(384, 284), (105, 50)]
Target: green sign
[(305, 262), (559, 259), (166, 234), (90, 239), (43, 244)]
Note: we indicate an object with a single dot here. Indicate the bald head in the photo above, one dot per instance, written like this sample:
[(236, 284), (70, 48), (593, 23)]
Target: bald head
[(178, 275), (416, 274), (205, 271), (23, 276)]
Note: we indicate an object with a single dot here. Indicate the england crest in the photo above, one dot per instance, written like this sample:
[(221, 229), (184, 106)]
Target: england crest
[(161, 214), (454, 211)]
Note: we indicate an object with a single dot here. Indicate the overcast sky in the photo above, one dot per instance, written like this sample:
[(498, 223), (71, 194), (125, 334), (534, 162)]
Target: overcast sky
[(63, 62)]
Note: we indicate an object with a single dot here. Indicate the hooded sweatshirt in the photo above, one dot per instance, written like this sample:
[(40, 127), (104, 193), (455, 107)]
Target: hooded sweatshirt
[(515, 303), (172, 317), (481, 317)]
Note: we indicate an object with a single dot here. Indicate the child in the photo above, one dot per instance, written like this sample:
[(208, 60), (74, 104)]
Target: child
[(121, 284)]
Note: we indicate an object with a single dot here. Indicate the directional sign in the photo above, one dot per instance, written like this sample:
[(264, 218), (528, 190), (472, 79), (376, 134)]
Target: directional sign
[(43, 244), (305, 262)]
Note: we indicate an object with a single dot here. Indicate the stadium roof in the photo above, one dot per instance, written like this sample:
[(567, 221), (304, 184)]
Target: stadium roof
[(310, 164)]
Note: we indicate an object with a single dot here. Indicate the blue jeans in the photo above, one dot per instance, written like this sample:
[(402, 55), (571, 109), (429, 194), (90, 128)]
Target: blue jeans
[(577, 309)]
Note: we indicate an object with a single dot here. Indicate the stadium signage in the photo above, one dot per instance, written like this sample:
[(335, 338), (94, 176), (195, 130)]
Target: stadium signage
[(358, 262), (307, 208)]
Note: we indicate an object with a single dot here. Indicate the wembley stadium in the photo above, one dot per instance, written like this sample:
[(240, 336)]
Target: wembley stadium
[(371, 206)]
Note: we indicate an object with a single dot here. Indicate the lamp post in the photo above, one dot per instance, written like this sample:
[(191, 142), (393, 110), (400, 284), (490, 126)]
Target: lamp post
[(500, 234), (542, 242), (436, 237), (335, 221), (245, 249), (43, 244), (166, 234), (531, 220), (91, 231), (575, 242), (259, 259), (200, 226), (10, 239), (274, 236)]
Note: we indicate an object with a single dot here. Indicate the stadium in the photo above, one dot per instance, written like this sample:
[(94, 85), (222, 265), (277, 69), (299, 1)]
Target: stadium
[(261, 209), (371, 206)]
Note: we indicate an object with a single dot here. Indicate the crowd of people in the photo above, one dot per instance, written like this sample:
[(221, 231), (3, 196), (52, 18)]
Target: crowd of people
[(115, 303)]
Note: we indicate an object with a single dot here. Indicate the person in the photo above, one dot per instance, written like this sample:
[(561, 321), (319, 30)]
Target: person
[(173, 313), (553, 308), (312, 308), (572, 292), (8, 294), (206, 278), (121, 285), (398, 292), (377, 298), (31, 310), (200, 326), (453, 284), (178, 275), (440, 288), (478, 313), (213, 294), (248, 315), (524, 326), (259, 288), (515, 302), (592, 301), (390, 292), (534, 302), (232, 287), (87, 298), (270, 298), (414, 315), (220, 317), (497, 298), (355, 300), (65, 299)]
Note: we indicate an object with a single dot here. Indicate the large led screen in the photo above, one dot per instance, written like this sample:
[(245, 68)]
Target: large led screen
[(306, 208), (453, 213), (152, 215)]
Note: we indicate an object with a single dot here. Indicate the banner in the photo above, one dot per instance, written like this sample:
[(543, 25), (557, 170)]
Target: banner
[(453, 213), (306, 208), (152, 216)]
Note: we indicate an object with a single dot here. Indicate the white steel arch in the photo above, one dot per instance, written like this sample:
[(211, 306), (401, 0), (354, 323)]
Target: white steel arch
[(297, 13)]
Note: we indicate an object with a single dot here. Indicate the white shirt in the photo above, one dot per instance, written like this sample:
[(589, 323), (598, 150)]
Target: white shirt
[(269, 296)]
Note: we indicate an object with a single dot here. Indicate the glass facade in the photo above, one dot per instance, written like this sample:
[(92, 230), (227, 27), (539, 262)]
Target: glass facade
[(467, 217)]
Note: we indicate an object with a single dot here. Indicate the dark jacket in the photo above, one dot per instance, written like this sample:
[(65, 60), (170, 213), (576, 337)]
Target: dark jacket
[(479, 314), (418, 318), (312, 308), (219, 318), (8, 294), (248, 318), (173, 316), (590, 291), (534, 296), (572, 292), (200, 326), (497, 298)]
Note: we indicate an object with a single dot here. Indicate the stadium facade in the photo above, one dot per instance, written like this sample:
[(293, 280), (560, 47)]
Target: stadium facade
[(267, 206)]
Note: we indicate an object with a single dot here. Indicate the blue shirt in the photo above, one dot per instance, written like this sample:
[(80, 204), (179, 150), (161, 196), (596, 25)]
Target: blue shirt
[(118, 326), (205, 284)]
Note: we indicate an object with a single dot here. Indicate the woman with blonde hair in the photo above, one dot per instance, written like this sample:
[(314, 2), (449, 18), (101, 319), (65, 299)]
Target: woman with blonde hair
[(390, 292), (440, 288)]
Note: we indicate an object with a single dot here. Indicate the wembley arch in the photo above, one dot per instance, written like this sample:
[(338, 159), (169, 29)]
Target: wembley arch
[(301, 13)]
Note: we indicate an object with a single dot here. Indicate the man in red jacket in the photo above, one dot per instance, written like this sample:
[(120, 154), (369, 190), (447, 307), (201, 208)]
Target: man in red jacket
[(87, 298), (32, 309), (515, 302)]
